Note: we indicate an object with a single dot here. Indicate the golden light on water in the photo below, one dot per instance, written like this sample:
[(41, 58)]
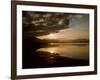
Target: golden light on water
[(49, 49), (68, 50), (52, 51)]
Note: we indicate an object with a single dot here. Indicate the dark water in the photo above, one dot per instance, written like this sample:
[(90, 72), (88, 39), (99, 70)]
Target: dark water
[(57, 55)]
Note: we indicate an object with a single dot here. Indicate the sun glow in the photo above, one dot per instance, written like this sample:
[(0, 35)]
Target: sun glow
[(51, 36)]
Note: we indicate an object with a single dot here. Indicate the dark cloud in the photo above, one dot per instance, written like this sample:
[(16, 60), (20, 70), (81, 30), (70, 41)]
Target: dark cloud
[(43, 23)]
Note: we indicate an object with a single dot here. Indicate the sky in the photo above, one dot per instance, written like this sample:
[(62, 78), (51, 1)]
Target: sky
[(78, 29), (62, 26)]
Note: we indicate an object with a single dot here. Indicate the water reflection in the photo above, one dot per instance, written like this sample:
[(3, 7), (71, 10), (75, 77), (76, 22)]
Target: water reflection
[(56, 55), (71, 50)]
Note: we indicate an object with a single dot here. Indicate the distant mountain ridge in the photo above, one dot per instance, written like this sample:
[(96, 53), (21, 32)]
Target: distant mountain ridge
[(76, 40)]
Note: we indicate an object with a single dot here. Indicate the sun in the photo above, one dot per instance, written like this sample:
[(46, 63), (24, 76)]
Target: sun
[(49, 36), (52, 36)]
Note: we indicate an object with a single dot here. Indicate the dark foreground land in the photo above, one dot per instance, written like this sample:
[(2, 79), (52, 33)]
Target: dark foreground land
[(33, 59), (44, 61)]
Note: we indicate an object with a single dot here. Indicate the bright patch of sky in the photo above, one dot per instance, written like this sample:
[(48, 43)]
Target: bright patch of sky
[(78, 29)]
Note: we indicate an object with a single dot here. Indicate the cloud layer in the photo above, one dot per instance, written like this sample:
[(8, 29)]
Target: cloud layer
[(43, 23)]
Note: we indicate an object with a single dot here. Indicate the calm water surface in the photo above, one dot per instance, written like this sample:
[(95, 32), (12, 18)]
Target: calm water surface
[(70, 50)]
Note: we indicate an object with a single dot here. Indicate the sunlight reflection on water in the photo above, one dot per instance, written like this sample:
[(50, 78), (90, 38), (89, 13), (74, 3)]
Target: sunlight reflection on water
[(72, 50)]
